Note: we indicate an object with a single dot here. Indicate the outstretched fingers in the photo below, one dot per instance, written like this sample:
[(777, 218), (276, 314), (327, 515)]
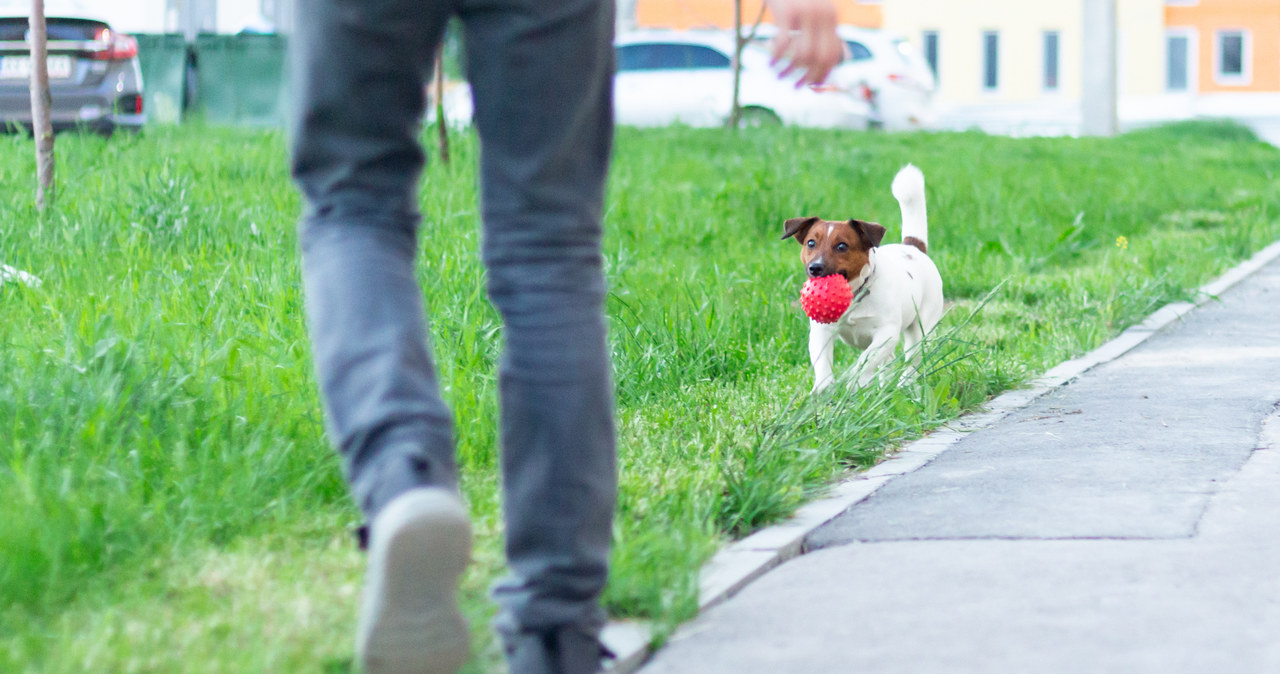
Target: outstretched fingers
[(806, 39)]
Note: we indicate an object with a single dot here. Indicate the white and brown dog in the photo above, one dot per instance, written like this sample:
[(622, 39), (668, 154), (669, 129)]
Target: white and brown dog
[(897, 289)]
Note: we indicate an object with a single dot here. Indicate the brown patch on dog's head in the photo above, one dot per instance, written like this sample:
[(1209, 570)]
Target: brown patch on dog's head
[(832, 246), (913, 241)]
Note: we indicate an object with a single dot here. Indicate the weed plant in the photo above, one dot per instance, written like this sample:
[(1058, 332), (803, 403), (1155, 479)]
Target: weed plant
[(168, 501)]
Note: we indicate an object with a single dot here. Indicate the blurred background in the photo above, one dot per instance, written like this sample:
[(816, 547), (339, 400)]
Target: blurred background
[(1002, 66)]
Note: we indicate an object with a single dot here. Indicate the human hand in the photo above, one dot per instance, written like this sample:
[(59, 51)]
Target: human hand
[(806, 38)]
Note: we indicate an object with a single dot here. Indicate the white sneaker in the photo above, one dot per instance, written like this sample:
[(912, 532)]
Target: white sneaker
[(419, 545)]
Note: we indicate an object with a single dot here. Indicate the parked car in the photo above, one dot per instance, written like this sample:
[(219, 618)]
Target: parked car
[(685, 77), (901, 82), (94, 77)]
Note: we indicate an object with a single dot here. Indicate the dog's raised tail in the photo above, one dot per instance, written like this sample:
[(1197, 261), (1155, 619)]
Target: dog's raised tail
[(908, 189)]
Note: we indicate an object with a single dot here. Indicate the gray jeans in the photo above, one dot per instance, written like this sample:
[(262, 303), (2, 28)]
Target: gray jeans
[(541, 74)]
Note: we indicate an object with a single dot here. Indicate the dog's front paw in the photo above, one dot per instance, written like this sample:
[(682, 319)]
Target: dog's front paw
[(821, 385)]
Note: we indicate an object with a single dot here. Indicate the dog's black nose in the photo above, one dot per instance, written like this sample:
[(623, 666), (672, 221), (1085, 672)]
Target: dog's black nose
[(816, 269)]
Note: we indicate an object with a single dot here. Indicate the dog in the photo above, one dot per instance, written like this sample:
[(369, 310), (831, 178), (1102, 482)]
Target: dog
[(897, 288)]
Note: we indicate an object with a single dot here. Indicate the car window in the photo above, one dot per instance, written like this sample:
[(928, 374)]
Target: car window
[(662, 56), (72, 29), (637, 57), (15, 29), (858, 51), (696, 56)]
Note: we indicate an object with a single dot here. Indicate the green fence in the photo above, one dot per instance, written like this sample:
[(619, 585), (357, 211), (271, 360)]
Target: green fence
[(241, 79), (163, 59)]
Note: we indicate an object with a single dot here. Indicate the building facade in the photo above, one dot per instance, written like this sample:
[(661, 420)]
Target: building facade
[(1013, 66), (1016, 67), (686, 14), (1223, 46)]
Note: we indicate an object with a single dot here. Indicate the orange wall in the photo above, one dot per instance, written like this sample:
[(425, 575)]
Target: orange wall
[(1260, 17), (682, 14)]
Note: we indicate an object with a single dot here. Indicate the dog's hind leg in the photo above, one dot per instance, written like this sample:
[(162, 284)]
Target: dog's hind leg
[(912, 350)]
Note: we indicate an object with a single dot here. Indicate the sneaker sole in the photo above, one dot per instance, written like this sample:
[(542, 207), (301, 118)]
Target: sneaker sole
[(409, 618)]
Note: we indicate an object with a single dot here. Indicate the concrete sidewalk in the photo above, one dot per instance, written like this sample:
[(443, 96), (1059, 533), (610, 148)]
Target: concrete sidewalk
[(1126, 521)]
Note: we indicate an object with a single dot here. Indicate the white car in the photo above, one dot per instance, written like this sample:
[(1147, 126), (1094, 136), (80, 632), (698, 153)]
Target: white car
[(685, 77), (901, 82)]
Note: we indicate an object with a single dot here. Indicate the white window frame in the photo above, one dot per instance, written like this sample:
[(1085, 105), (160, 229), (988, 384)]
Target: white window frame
[(1245, 78), (1193, 58), (1185, 3)]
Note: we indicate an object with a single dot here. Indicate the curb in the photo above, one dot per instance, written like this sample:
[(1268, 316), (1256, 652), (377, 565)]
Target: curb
[(737, 565)]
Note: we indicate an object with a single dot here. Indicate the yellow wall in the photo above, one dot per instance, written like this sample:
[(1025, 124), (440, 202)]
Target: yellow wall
[(1021, 25), (1260, 17), (1141, 47), (684, 14)]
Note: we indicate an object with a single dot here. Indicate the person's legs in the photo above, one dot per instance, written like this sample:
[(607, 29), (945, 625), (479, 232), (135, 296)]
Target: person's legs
[(542, 76), (359, 73)]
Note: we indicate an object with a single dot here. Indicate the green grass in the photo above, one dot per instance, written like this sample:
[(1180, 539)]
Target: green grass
[(167, 498)]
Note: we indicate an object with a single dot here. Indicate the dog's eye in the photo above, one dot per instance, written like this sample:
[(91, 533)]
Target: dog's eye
[(811, 243), (842, 247)]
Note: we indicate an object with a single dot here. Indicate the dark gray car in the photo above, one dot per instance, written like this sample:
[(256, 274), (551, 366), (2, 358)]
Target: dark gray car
[(94, 76)]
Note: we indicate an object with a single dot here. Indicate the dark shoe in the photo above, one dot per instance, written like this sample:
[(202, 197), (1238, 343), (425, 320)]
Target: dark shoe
[(419, 545), (561, 651)]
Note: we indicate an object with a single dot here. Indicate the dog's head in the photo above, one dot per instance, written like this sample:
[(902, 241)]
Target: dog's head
[(834, 246)]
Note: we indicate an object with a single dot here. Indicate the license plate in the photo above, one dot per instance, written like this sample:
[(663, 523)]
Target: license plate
[(19, 67)]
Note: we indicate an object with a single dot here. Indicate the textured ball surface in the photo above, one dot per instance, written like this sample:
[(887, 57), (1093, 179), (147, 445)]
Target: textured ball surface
[(826, 298)]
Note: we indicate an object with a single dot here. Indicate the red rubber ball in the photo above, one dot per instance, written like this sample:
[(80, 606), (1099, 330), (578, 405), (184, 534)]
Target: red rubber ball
[(826, 298)]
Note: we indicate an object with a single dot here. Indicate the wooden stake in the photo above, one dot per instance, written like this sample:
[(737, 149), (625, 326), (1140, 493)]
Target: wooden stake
[(440, 120), (41, 100), (739, 43), (735, 107)]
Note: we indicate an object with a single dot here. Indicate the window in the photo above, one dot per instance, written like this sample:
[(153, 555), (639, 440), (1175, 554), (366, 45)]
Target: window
[(858, 51), (1231, 58), (658, 56), (931, 50), (704, 57), (990, 60), (1231, 62), (1051, 60), (1177, 62), (638, 57)]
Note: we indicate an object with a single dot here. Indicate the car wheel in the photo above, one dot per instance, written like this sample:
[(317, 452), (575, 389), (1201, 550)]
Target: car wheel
[(750, 118)]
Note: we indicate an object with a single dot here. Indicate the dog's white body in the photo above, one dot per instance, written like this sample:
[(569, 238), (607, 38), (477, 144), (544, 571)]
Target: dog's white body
[(899, 297)]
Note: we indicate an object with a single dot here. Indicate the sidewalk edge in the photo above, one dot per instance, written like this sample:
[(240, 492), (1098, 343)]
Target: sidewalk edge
[(745, 560)]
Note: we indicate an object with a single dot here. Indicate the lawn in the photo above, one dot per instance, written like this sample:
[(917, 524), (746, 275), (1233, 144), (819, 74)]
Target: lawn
[(167, 498)]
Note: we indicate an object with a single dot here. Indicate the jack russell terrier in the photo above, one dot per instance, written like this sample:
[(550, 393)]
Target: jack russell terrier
[(897, 289)]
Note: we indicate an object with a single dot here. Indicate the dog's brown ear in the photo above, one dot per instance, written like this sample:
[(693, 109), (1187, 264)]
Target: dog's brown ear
[(797, 227), (871, 232)]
